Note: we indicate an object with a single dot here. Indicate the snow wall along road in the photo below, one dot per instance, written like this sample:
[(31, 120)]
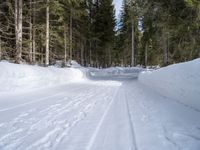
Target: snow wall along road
[(114, 73), (22, 78), (180, 82)]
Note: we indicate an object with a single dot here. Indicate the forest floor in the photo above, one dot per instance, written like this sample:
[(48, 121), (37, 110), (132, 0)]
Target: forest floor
[(111, 114)]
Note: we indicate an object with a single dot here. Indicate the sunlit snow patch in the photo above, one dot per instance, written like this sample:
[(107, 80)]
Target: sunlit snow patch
[(180, 82)]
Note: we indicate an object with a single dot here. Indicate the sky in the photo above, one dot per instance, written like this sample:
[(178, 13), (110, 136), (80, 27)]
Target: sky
[(118, 4)]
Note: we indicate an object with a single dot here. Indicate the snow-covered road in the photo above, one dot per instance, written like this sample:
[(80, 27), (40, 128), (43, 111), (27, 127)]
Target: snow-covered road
[(97, 115)]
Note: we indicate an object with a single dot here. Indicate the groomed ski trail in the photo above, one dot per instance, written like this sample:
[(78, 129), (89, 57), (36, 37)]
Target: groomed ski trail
[(97, 115)]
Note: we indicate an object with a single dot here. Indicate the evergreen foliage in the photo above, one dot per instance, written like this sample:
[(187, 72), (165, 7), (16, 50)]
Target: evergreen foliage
[(169, 31), (149, 32)]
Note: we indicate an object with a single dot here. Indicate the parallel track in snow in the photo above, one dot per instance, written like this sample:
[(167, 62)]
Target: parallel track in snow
[(97, 115), (130, 120), (54, 121)]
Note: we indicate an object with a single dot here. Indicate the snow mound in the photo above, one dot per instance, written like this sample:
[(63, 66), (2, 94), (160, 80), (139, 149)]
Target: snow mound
[(15, 78), (115, 72), (180, 82), (75, 64)]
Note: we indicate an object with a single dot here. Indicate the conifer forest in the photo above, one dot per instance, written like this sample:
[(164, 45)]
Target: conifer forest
[(100, 74), (147, 32)]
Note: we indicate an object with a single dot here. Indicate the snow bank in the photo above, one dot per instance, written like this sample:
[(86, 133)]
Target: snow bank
[(180, 82), (115, 72), (14, 77)]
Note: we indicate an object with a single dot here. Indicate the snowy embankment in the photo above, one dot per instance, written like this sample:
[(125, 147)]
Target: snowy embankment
[(18, 78), (22, 78), (180, 82), (115, 73)]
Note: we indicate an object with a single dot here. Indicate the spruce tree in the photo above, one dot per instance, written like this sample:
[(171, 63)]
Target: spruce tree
[(104, 29)]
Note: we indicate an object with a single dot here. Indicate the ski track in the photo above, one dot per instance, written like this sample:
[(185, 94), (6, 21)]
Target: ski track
[(131, 122), (50, 117), (92, 140), (131, 112), (38, 100)]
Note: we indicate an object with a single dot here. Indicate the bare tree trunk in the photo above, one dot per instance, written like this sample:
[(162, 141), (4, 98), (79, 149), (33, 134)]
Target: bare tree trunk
[(65, 44), (71, 34), (165, 55), (82, 53), (42, 56), (47, 35), (34, 29), (30, 34), (109, 57), (165, 49), (146, 55), (132, 43), (90, 53), (18, 30), (91, 40), (0, 49)]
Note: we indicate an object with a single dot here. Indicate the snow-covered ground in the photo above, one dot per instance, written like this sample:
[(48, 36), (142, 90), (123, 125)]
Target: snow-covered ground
[(90, 109), (20, 78), (180, 82), (114, 73)]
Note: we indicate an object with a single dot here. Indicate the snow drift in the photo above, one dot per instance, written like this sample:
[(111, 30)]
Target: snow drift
[(14, 77), (180, 82), (115, 72)]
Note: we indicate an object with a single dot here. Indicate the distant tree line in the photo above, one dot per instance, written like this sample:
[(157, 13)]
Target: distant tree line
[(159, 31), (43, 31), (149, 32)]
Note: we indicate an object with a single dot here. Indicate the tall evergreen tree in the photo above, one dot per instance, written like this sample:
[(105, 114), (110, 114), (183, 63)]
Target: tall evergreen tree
[(104, 28)]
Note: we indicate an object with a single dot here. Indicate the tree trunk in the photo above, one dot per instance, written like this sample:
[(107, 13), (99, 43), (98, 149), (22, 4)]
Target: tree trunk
[(71, 34), (90, 59), (146, 55), (30, 34), (82, 53), (0, 49), (165, 56), (34, 31), (132, 43), (18, 29), (42, 56), (165, 49), (47, 35), (65, 44), (109, 57)]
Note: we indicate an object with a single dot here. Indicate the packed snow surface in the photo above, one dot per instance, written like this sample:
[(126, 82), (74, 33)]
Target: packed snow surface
[(95, 109)]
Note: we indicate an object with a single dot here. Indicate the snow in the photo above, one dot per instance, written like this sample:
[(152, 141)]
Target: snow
[(115, 72), (18, 78), (180, 82), (75, 64), (97, 109)]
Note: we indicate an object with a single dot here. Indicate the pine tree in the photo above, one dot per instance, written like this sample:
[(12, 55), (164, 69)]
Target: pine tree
[(104, 28)]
